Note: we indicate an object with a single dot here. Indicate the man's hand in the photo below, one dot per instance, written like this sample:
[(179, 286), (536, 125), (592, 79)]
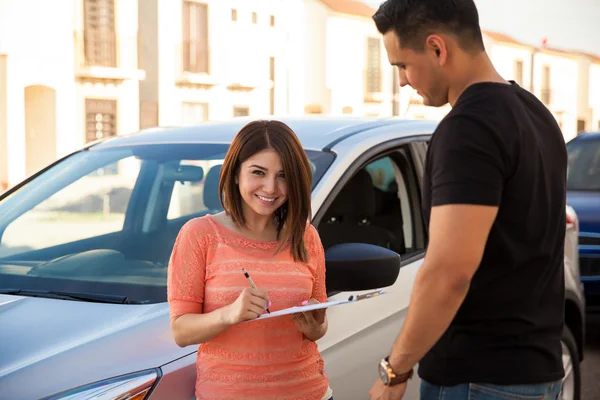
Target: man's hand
[(381, 392)]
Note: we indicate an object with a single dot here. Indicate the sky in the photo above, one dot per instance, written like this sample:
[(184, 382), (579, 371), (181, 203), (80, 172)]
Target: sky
[(562, 22)]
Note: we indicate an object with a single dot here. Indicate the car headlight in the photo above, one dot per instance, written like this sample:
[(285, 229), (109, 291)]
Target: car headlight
[(127, 387)]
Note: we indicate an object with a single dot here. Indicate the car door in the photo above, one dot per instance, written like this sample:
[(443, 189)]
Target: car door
[(361, 334)]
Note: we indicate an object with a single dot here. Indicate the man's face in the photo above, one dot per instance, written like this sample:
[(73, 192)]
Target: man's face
[(419, 70)]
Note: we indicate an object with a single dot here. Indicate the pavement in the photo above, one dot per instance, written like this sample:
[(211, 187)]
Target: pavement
[(590, 368)]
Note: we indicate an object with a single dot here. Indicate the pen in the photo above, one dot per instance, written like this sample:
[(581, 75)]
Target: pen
[(251, 283), (365, 295)]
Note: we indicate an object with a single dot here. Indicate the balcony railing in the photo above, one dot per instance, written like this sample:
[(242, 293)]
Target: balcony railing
[(100, 50), (95, 49), (109, 56)]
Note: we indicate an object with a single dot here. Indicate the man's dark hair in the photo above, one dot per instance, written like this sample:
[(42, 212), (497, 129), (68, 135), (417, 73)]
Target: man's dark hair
[(414, 20)]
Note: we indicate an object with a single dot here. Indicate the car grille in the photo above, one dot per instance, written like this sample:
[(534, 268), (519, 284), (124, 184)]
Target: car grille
[(589, 266), (589, 240)]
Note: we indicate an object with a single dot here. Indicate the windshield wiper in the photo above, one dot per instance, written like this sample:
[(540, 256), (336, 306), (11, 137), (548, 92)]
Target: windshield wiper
[(89, 297)]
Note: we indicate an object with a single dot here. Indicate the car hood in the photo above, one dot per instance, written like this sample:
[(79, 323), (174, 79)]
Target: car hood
[(587, 206), (49, 345)]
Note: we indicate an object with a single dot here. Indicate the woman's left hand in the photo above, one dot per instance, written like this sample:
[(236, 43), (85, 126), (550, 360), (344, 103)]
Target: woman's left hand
[(311, 323)]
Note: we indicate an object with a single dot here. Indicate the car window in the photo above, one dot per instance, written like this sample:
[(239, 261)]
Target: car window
[(583, 171), (93, 205), (104, 220), (393, 206), (378, 205), (200, 197), (188, 198)]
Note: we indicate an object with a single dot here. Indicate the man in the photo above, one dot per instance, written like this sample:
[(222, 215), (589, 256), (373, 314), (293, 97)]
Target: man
[(486, 313)]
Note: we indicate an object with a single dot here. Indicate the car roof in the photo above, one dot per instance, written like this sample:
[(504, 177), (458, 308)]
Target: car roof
[(315, 132), (590, 135)]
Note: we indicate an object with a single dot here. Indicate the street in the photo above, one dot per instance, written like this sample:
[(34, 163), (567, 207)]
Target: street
[(590, 368)]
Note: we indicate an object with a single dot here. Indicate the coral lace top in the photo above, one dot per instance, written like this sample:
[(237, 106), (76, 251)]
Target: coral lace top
[(268, 359)]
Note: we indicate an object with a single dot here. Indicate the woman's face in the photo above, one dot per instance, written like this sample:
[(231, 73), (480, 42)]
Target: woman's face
[(262, 183)]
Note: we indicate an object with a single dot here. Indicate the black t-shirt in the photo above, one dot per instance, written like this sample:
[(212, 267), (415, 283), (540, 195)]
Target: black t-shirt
[(500, 146)]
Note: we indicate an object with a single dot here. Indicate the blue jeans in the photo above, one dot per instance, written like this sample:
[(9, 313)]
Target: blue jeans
[(484, 391)]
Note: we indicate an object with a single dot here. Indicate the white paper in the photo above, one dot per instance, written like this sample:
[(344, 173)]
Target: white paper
[(317, 306)]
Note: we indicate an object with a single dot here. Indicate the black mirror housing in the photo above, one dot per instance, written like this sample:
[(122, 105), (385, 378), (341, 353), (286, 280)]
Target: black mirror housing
[(360, 266)]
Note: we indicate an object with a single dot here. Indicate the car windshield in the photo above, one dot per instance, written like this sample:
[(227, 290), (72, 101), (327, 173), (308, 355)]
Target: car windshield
[(584, 165), (103, 221)]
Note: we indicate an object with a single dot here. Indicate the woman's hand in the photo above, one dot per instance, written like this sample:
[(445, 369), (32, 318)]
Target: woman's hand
[(249, 305), (313, 324)]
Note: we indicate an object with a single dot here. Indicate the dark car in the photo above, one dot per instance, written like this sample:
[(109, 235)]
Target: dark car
[(583, 184)]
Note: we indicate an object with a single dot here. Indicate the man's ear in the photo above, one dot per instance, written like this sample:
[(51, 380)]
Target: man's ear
[(437, 45)]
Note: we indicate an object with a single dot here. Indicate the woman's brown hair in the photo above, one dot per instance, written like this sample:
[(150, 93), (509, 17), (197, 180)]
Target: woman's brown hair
[(293, 215)]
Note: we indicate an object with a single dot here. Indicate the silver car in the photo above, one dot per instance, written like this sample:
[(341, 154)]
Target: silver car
[(85, 244)]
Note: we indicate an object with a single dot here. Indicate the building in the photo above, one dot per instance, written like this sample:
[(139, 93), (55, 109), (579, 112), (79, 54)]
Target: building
[(552, 75), (68, 75), (346, 67), (594, 95), (555, 83), (75, 71), (560, 79), (588, 99), (216, 59), (512, 59)]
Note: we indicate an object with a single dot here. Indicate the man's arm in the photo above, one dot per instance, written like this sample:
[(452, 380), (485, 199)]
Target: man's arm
[(458, 234)]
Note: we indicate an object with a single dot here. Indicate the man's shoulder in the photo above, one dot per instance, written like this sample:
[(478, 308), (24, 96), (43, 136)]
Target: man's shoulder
[(460, 125), (472, 135)]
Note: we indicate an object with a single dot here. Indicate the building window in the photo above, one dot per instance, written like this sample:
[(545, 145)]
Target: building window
[(580, 125), (195, 37), (599, 124), (233, 14), (99, 37), (100, 119), (518, 74), (272, 20), (373, 73), (546, 92), (254, 18), (272, 91), (241, 111), (193, 113)]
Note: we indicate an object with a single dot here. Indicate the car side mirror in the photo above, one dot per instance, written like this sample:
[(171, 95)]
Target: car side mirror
[(360, 266)]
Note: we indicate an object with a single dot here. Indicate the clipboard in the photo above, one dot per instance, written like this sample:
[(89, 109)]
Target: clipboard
[(328, 304)]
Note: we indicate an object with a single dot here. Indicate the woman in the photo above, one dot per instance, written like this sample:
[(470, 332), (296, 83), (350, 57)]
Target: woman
[(264, 188)]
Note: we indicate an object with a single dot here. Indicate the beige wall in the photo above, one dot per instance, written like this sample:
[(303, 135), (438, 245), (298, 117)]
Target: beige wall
[(316, 94), (42, 81), (3, 124), (594, 96), (13, 122), (239, 55), (347, 38), (584, 109), (40, 128), (563, 84), (335, 64), (148, 56), (505, 56)]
